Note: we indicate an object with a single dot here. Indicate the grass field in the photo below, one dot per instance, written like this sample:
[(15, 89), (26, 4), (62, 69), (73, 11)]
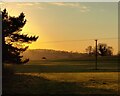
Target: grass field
[(63, 77)]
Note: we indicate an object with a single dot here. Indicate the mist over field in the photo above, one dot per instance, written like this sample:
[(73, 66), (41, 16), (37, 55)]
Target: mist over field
[(38, 54)]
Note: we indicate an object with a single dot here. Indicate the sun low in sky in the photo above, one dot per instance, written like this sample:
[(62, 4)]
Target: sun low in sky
[(68, 26)]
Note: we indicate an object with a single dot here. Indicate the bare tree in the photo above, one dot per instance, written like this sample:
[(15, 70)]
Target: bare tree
[(89, 50), (102, 50)]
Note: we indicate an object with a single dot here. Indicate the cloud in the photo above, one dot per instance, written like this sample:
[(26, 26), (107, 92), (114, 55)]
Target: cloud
[(82, 8), (25, 4), (84, 11), (41, 7), (58, 4), (35, 4), (65, 4)]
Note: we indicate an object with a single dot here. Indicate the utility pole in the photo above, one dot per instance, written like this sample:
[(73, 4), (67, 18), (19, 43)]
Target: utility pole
[(96, 55)]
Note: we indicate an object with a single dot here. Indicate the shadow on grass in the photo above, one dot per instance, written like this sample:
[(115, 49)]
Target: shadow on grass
[(61, 69), (25, 85)]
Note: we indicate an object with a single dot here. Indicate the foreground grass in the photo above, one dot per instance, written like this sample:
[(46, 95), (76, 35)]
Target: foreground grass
[(38, 83), (103, 80)]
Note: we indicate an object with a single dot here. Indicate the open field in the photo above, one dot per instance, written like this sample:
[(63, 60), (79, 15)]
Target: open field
[(63, 66), (63, 77)]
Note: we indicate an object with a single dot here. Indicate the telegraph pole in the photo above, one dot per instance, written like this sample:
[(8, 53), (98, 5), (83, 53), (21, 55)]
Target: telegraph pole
[(96, 55)]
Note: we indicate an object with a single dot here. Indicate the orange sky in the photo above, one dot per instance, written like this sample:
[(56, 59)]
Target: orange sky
[(67, 22)]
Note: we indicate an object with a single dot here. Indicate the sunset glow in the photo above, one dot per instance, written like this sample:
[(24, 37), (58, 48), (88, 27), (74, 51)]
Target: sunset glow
[(68, 26)]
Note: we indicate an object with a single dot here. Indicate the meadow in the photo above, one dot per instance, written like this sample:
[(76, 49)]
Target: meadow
[(63, 77)]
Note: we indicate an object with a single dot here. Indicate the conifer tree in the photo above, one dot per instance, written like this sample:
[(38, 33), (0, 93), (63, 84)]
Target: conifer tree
[(13, 42)]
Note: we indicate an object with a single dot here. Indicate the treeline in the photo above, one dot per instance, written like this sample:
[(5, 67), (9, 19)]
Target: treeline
[(48, 54), (40, 54), (102, 50)]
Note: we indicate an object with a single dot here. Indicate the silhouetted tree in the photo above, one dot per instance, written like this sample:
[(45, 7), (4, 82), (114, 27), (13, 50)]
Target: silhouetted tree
[(104, 50), (12, 40), (89, 50)]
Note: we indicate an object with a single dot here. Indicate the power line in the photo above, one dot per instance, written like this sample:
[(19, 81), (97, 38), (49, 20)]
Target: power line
[(76, 40)]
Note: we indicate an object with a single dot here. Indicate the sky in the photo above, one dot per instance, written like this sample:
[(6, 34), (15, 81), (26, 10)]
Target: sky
[(69, 26)]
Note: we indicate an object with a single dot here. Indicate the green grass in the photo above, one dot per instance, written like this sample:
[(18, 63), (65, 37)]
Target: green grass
[(68, 66), (63, 77)]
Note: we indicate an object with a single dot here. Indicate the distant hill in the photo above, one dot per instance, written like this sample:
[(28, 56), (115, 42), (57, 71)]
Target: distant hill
[(39, 54)]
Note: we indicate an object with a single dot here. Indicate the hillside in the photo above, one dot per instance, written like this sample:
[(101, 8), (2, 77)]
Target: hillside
[(38, 54)]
